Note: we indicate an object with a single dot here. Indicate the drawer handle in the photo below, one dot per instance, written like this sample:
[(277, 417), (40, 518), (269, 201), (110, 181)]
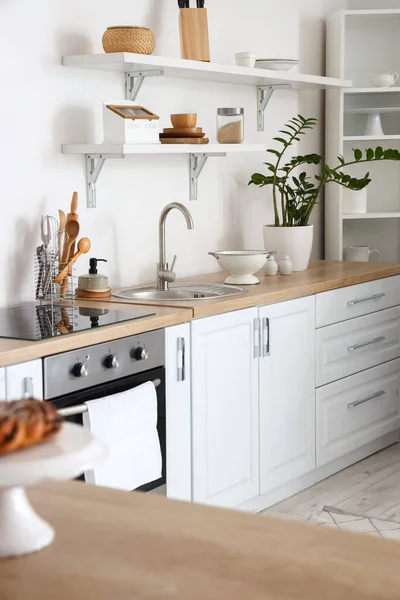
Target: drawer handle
[(376, 340), (361, 300), (358, 402)]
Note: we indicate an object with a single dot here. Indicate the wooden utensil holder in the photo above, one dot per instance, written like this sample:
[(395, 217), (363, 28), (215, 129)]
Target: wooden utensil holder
[(193, 29)]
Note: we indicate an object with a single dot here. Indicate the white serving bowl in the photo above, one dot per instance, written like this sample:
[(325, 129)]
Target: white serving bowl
[(241, 264), (276, 64), (245, 59)]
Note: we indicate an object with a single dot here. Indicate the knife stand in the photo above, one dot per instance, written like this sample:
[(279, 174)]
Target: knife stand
[(193, 29)]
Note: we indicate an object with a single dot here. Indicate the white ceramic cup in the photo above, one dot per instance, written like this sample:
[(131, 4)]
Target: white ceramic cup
[(359, 253), (384, 79), (246, 59), (354, 201)]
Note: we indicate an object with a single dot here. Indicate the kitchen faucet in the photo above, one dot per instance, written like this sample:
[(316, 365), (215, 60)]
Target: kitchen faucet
[(166, 275)]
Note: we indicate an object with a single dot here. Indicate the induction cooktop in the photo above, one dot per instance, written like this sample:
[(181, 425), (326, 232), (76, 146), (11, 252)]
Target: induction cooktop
[(39, 322)]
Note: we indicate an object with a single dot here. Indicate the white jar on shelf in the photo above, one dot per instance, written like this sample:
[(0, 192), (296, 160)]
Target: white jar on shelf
[(354, 201)]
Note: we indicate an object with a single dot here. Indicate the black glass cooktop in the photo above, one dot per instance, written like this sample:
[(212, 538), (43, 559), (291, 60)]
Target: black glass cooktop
[(39, 322)]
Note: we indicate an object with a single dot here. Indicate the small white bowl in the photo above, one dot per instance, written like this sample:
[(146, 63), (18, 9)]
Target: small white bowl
[(276, 64), (241, 264), (246, 59)]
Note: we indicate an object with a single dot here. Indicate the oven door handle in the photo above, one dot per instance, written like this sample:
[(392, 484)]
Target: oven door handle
[(79, 409)]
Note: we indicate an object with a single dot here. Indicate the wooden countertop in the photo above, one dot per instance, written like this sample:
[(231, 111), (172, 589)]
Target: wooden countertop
[(122, 545), (321, 276), (16, 351)]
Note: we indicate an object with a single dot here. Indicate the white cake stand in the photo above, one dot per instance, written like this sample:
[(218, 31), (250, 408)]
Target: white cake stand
[(73, 451)]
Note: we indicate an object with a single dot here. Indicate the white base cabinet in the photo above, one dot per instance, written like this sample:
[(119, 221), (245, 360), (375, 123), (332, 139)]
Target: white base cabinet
[(225, 408), (24, 380), (178, 410), (253, 398), (287, 392)]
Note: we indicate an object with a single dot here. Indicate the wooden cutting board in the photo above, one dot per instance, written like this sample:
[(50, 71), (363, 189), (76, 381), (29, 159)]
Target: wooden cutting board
[(184, 140)]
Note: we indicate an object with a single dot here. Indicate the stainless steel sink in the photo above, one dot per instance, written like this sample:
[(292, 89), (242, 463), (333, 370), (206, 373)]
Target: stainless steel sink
[(199, 291)]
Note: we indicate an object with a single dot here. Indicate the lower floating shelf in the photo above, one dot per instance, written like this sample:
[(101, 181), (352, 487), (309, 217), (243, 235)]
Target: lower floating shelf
[(97, 154), (373, 215), (209, 149)]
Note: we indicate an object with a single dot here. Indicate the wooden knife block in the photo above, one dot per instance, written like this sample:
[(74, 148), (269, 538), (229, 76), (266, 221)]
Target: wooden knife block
[(193, 29)]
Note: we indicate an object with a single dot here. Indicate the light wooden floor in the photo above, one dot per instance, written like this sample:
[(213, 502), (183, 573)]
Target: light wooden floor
[(369, 488)]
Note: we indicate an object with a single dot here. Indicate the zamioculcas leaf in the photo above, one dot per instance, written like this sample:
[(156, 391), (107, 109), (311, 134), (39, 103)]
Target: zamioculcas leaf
[(357, 155), (378, 152), (281, 140), (370, 154)]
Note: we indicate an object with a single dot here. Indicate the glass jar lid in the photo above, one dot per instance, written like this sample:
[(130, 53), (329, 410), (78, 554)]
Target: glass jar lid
[(230, 112)]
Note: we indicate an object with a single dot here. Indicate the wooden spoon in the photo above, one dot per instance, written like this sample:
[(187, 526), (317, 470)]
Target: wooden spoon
[(83, 247), (72, 230), (73, 216)]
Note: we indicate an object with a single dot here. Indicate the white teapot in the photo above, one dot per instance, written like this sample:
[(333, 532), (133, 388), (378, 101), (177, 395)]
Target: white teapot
[(384, 79)]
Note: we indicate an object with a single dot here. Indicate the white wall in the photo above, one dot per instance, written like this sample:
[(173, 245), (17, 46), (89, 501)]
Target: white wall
[(44, 105)]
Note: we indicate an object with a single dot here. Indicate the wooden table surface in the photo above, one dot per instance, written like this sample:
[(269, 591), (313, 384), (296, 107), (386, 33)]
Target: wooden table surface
[(113, 545)]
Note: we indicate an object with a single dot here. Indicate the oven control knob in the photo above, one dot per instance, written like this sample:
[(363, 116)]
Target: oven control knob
[(140, 354), (79, 370), (111, 362)]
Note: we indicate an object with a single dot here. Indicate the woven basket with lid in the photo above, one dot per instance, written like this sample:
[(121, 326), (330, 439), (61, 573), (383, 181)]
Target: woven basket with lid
[(129, 38)]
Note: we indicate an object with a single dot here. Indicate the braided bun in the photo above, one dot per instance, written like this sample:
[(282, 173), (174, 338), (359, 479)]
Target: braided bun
[(27, 422)]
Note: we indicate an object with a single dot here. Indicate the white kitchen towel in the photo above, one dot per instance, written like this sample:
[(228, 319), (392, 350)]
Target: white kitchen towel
[(127, 423)]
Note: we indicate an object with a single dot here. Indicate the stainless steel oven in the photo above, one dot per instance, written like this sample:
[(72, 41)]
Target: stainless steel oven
[(75, 377)]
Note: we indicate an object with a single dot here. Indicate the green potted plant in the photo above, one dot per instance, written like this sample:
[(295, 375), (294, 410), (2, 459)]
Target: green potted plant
[(295, 193)]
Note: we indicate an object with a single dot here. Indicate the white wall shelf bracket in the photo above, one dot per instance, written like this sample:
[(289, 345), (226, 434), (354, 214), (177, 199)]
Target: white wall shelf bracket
[(196, 165), (264, 93), (94, 166), (134, 81)]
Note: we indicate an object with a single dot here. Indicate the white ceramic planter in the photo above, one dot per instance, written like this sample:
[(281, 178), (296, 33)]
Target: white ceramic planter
[(295, 242), (354, 201)]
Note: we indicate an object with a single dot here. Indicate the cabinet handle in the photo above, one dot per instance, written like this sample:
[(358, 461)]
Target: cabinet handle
[(257, 338), (358, 402), (368, 299), (180, 359), (265, 323), (28, 387), (376, 340)]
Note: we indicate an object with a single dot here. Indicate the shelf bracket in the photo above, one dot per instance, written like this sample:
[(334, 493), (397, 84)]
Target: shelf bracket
[(94, 166), (134, 81), (196, 165), (264, 93)]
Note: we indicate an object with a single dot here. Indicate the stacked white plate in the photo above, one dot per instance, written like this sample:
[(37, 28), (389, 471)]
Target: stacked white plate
[(276, 64)]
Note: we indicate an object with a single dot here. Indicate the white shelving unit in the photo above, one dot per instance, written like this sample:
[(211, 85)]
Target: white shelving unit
[(361, 42), (136, 67)]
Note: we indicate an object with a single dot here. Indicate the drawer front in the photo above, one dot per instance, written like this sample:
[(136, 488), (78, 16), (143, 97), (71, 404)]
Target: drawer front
[(347, 348), (357, 300), (357, 410)]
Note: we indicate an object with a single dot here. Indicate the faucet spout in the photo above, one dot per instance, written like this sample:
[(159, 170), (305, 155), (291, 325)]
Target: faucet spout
[(163, 217), (164, 274)]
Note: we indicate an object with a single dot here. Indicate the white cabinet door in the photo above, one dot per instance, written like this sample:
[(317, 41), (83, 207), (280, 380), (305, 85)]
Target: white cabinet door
[(225, 408), (287, 392), (24, 380), (178, 411), (357, 410)]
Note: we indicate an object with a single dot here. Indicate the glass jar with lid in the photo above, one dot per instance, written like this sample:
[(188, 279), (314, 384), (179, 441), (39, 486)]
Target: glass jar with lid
[(230, 125)]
